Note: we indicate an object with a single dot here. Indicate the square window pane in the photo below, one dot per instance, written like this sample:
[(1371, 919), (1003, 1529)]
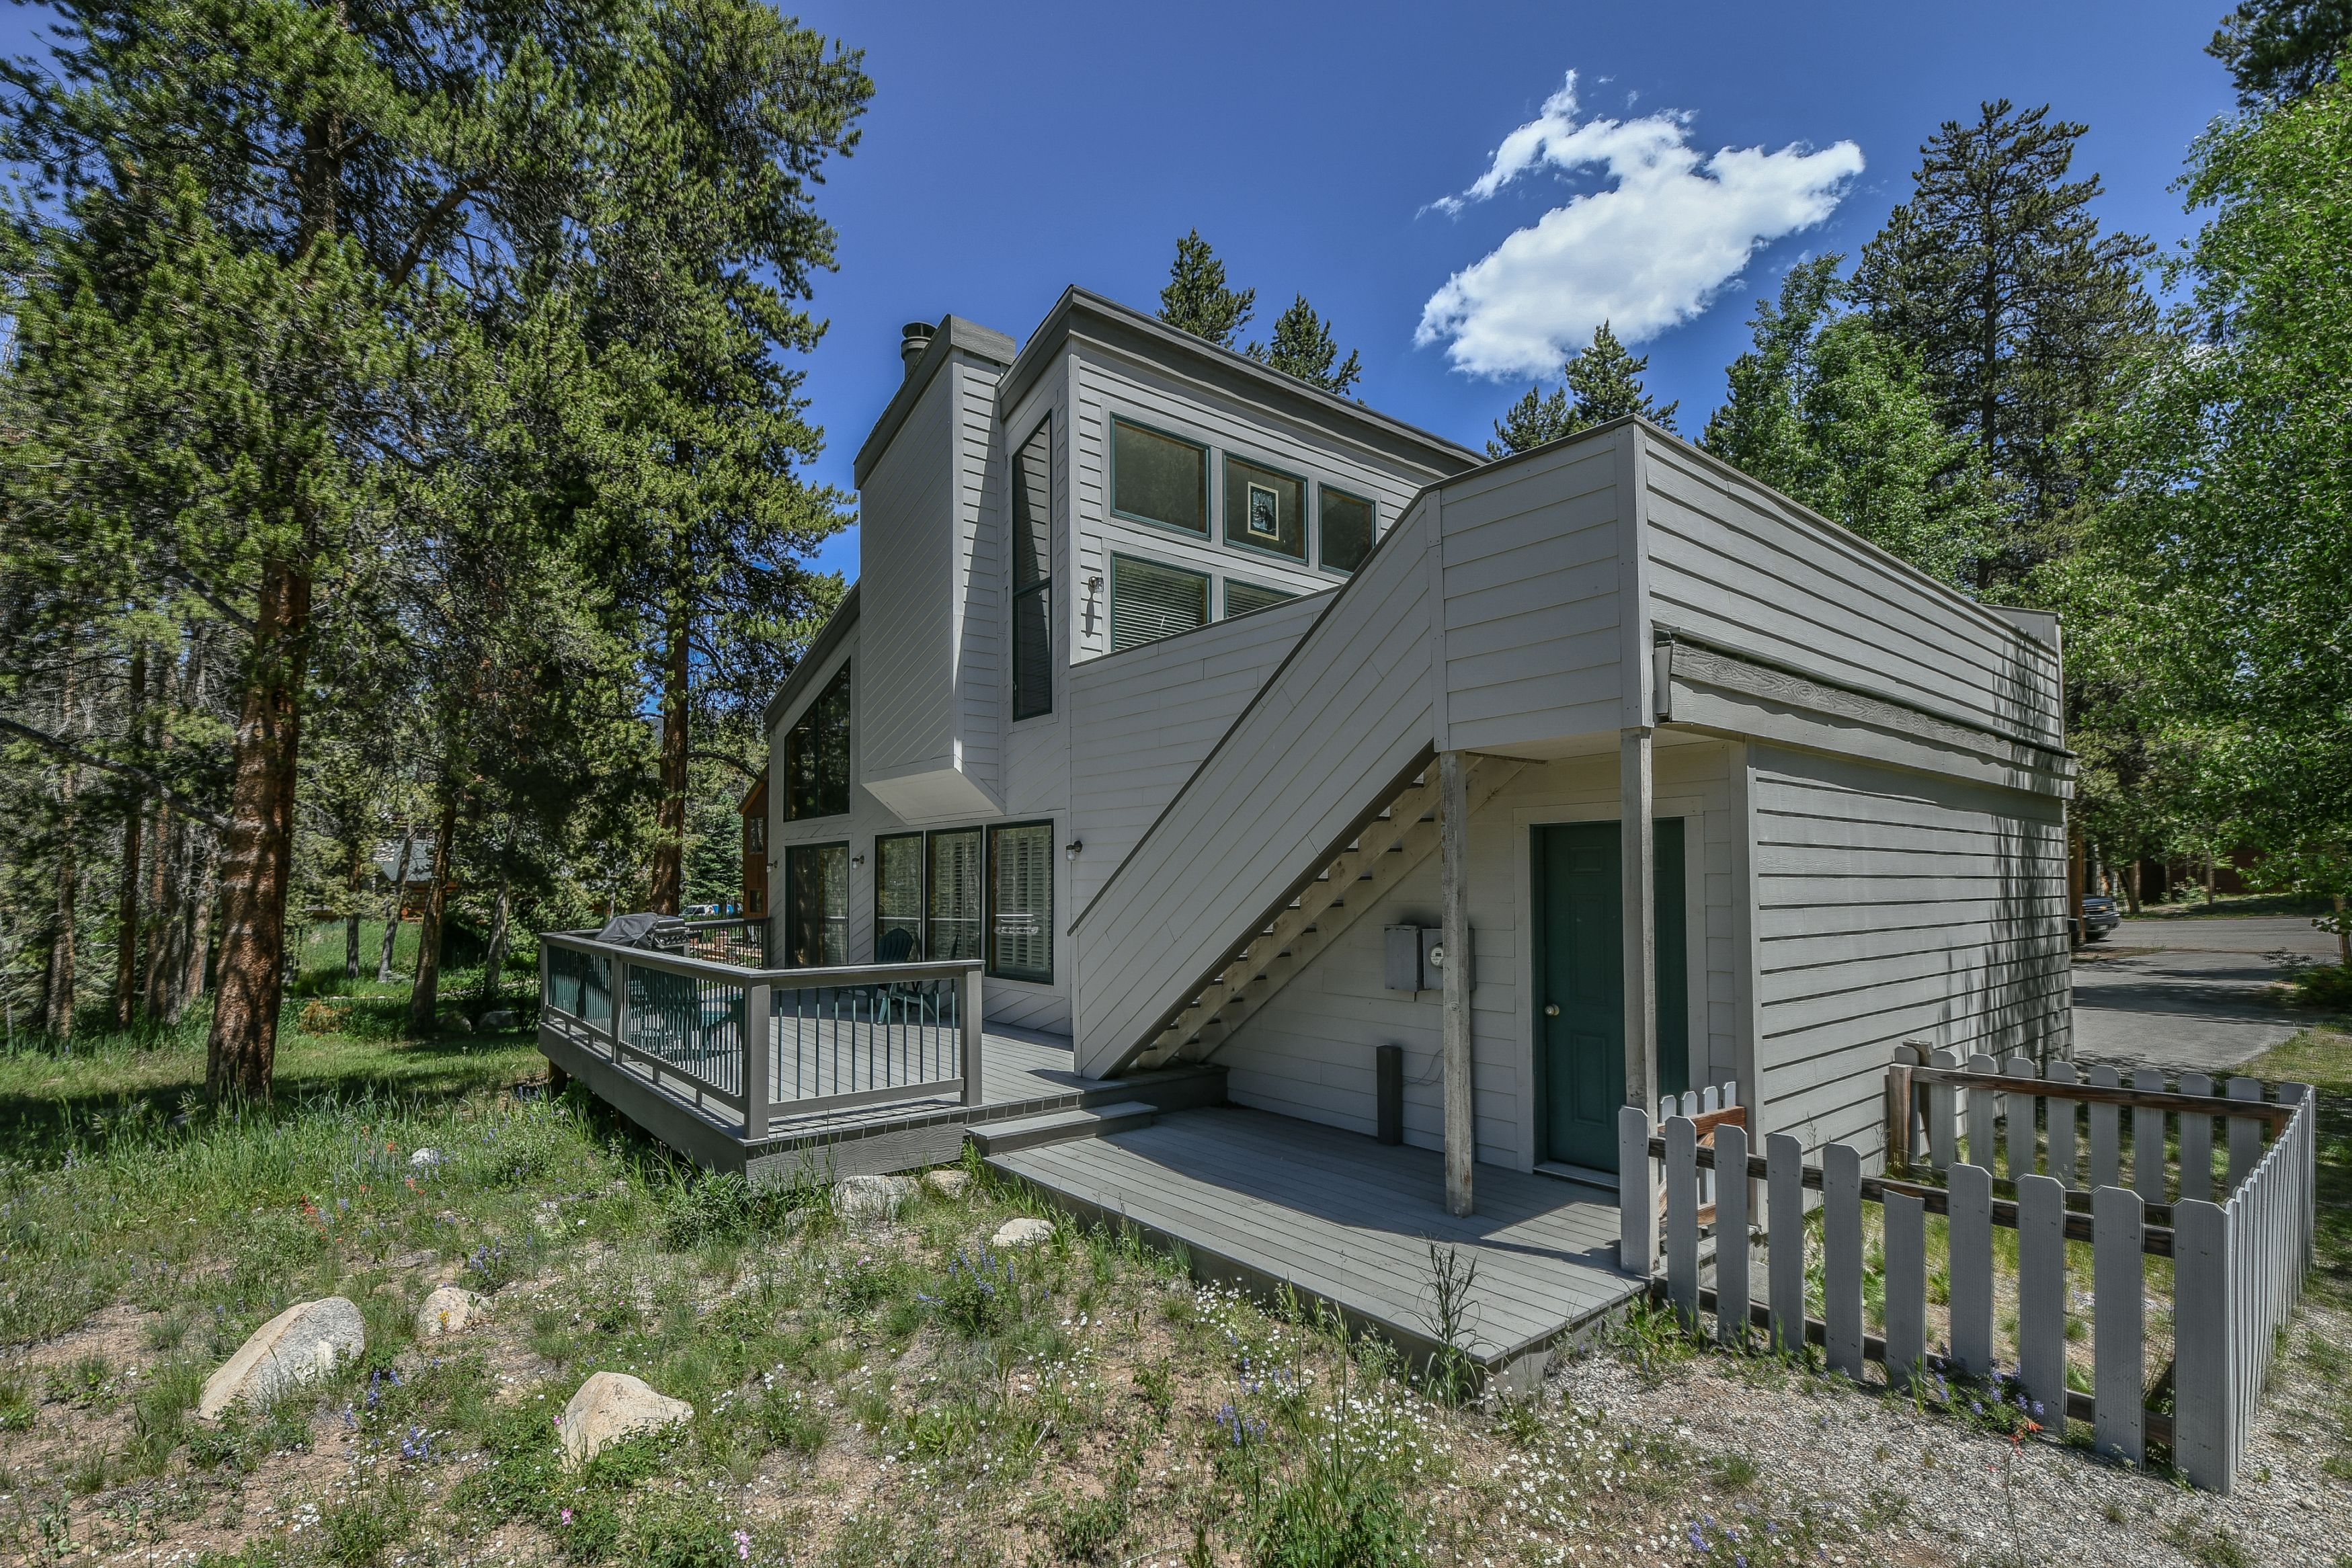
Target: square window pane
[(1159, 479), (1021, 902), (1347, 531), (955, 896), (1033, 650), (1150, 601), (1264, 510)]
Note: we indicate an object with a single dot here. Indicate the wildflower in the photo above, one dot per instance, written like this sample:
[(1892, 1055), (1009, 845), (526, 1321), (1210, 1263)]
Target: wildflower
[(567, 1516)]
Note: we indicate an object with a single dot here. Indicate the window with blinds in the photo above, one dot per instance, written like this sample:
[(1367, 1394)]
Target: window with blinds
[(956, 898), (817, 755), (1242, 598), (898, 898), (816, 905), (1150, 599), (1021, 902), (1264, 509), (1033, 578), (1159, 479), (1348, 531)]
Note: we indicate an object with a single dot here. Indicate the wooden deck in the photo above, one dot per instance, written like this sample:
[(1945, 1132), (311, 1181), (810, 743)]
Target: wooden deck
[(1260, 1199), (1021, 1074)]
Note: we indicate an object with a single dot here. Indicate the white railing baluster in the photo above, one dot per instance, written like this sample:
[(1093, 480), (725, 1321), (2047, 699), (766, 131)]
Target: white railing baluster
[(1841, 1258), (2147, 1138), (1970, 1260), (1681, 1220), (2059, 1113), (2119, 1328), (1784, 1182), (1731, 1251)]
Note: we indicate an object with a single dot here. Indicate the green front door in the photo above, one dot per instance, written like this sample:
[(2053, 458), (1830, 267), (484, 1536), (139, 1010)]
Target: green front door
[(1581, 985)]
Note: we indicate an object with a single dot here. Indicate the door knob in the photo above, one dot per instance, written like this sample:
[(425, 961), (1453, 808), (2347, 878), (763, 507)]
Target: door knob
[(1551, 1009)]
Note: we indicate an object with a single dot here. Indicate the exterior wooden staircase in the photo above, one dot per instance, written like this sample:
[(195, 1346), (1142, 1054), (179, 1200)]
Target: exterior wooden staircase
[(1348, 886)]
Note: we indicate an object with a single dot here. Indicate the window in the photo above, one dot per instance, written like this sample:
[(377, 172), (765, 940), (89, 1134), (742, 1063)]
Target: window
[(898, 898), (1157, 478), (1033, 581), (1020, 901), (816, 905), (755, 833), (816, 756), (1242, 598), (1264, 510), (1346, 529), (1150, 601), (955, 895)]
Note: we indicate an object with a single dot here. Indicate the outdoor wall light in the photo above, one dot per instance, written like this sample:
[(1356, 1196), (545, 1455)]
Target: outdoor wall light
[(1073, 847), (858, 860)]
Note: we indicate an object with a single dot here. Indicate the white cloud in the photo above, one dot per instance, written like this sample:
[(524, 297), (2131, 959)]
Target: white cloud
[(1651, 252)]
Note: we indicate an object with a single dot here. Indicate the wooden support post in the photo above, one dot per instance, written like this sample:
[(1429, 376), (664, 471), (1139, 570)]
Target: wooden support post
[(1638, 849), (1454, 855), (757, 1045), (970, 1021)]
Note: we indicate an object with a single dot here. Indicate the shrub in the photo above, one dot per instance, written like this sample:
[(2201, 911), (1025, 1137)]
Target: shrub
[(2323, 986), (726, 1209), (980, 1296)]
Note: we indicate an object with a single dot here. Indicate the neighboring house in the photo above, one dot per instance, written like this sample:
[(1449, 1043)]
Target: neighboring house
[(1147, 638), (754, 811)]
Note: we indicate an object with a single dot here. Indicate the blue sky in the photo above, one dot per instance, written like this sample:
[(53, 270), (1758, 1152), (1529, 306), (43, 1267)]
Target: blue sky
[(1012, 151), (1364, 155)]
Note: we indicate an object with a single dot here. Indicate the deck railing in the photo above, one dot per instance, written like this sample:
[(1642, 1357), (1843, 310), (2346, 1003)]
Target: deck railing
[(744, 1045), (2233, 1269)]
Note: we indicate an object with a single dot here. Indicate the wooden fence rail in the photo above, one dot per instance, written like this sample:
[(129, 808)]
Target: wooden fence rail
[(741, 1045), (2237, 1265)]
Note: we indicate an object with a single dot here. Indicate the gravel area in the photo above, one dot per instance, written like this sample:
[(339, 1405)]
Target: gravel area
[(1924, 1488)]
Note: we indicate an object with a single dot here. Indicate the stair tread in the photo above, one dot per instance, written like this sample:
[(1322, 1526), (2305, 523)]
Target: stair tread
[(1077, 1117)]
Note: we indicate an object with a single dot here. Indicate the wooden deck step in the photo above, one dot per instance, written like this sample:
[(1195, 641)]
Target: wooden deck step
[(1062, 1126)]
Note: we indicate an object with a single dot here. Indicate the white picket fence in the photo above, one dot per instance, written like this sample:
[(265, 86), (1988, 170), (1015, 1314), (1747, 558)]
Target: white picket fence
[(2238, 1264)]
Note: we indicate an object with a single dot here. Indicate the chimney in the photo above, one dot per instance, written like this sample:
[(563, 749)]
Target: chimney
[(916, 339)]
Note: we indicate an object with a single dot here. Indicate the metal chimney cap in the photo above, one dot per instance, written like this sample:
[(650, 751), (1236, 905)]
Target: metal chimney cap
[(915, 337)]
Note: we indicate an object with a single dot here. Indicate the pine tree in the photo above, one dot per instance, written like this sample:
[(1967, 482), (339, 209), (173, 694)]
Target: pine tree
[(1196, 299), (1303, 347), (1599, 382), (1828, 411), (2281, 49), (1996, 278)]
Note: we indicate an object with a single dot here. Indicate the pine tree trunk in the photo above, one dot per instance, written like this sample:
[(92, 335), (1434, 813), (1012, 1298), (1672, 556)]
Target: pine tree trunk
[(163, 888), (399, 898), (493, 965), (2342, 936), (59, 980), (256, 863), (669, 815), (352, 917), (126, 908), (196, 926), (425, 995), (2131, 885), (2209, 879)]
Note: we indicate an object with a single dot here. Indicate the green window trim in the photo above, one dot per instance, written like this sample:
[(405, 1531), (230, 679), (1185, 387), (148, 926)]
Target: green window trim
[(1020, 880), (1153, 433), (1325, 496), (1246, 480), (1253, 597), (1145, 613)]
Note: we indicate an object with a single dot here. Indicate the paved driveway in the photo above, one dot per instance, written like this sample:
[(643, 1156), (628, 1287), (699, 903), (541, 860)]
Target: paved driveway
[(2187, 995)]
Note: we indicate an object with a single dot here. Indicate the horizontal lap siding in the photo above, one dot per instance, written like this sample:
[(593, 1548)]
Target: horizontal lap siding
[(907, 688), (980, 547), (1308, 1053), (1148, 717), (1334, 726), (1894, 906), (1734, 564), (1530, 577)]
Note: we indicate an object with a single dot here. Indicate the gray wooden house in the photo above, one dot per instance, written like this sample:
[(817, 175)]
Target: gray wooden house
[(1146, 636), (1238, 745)]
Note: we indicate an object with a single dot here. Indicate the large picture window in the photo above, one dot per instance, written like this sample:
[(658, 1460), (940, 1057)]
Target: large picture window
[(1150, 599), (816, 905), (1033, 578), (1348, 529), (1157, 478), (955, 896), (1264, 509), (816, 756), (898, 898), (1020, 901)]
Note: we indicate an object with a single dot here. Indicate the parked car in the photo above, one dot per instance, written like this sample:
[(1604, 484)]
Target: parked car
[(2100, 915)]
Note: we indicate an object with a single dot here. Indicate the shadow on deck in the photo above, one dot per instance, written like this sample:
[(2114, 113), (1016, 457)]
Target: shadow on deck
[(1259, 1201)]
